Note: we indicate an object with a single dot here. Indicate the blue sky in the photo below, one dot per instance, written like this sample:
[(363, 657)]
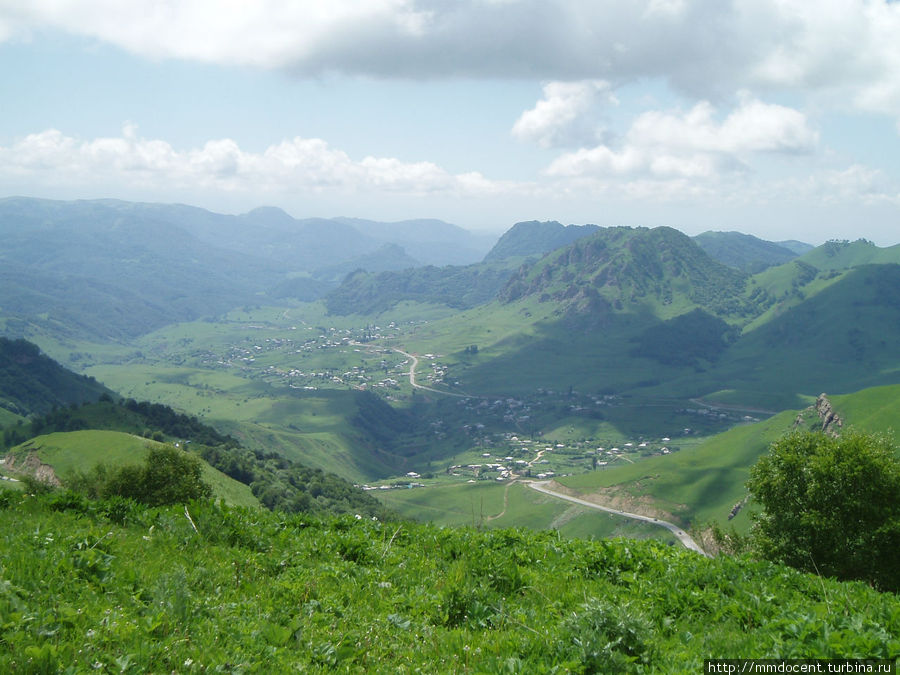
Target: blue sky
[(780, 118)]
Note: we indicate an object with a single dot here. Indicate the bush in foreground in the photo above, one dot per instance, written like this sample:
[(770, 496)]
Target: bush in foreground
[(831, 505)]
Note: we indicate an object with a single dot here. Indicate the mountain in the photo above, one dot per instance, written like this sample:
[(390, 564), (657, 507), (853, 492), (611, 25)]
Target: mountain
[(838, 255), (388, 257), (534, 238), (617, 268), (32, 383), (459, 287), (431, 241), (109, 270), (842, 338), (647, 313), (798, 247), (744, 251), (112, 270)]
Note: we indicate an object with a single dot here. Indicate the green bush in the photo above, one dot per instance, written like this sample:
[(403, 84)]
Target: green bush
[(167, 476), (831, 506)]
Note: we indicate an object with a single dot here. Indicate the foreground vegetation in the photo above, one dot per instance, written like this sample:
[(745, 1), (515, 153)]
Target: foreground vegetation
[(210, 588)]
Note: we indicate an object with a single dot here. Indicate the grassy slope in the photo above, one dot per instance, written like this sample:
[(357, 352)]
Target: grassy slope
[(836, 255), (311, 427), (489, 505), (73, 451), (257, 592), (8, 418), (702, 484)]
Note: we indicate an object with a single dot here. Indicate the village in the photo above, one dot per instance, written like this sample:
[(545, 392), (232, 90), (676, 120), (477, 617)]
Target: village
[(511, 458)]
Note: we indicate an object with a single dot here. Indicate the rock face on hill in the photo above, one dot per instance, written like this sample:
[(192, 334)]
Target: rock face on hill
[(29, 464), (831, 421), (825, 417)]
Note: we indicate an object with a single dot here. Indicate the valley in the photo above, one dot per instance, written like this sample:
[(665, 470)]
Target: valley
[(625, 364)]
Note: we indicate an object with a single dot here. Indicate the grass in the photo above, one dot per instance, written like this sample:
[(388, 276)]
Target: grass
[(72, 451), (702, 483), (139, 590), (501, 505), (694, 485)]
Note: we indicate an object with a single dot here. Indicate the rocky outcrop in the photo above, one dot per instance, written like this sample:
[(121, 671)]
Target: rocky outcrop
[(831, 422), (30, 464), (828, 422)]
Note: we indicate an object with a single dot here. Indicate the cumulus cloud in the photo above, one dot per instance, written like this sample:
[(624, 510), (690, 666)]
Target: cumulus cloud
[(845, 51), (291, 166), (694, 144), (565, 116)]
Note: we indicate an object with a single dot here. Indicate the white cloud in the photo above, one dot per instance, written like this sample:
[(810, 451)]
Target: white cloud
[(694, 144), (843, 51), (856, 183), (291, 166), (565, 116)]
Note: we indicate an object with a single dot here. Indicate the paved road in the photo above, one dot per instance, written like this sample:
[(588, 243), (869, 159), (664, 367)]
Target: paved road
[(683, 537)]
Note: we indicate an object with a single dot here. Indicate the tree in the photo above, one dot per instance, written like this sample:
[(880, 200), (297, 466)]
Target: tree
[(831, 505), (168, 476)]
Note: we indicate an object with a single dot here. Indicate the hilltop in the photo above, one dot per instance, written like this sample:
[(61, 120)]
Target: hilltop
[(535, 238)]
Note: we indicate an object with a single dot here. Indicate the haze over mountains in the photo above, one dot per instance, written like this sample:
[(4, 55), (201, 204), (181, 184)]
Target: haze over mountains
[(115, 270)]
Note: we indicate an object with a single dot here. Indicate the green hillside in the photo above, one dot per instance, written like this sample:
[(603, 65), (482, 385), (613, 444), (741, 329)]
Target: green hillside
[(31, 382), (841, 339), (702, 484), (534, 238), (367, 293), (837, 255), (80, 451), (248, 591), (660, 271), (743, 251)]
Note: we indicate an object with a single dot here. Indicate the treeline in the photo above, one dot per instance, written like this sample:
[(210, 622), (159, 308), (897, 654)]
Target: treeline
[(279, 483), (31, 382)]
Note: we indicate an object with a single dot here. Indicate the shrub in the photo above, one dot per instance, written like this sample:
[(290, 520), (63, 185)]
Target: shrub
[(167, 476), (831, 506)]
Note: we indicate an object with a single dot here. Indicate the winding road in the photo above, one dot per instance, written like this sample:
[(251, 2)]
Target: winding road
[(681, 535), (414, 361)]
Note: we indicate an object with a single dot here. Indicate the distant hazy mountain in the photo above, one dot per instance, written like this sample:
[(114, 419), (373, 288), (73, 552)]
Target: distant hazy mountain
[(430, 241), (744, 251), (387, 258), (534, 238), (456, 286), (109, 269), (798, 247)]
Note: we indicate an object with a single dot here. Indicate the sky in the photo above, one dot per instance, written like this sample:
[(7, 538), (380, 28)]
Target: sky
[(778, 118)]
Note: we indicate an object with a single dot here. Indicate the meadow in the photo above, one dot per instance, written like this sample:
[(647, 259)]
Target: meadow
[(240, 591)]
